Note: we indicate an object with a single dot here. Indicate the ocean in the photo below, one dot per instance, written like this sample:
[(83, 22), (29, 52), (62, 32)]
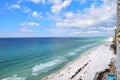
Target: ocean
[(35, 58)]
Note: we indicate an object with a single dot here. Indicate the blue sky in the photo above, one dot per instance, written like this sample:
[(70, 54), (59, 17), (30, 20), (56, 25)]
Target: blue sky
[(57, 18)]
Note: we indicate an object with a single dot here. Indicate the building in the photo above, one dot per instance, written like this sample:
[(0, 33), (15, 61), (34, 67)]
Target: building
[(118, 40)]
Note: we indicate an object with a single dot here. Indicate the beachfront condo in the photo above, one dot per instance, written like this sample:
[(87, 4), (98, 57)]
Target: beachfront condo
[(118, 40)]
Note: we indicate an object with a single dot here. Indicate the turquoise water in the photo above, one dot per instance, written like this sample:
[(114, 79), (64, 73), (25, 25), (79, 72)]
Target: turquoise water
[(110, 77), (34, 58)]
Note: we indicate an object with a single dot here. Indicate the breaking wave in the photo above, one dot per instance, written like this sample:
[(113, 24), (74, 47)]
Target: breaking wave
[(14, 77), (43, 67)]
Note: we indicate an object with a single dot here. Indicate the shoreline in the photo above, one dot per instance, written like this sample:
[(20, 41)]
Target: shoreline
[(83, 68)]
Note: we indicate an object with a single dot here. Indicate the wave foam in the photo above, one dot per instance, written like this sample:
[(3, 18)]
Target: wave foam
[(83, 47), (14, 77), (42, 67), (72, 53)]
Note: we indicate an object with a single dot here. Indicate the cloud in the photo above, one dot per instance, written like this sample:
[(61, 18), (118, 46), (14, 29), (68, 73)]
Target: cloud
[(58, 5), (75, 21), (38, 1), (91, 32), (85, 32), (75, 33), (30, 24), (13, 6), (108, 28), (58, 31), (93, 16), (36, 14), (26, 30)]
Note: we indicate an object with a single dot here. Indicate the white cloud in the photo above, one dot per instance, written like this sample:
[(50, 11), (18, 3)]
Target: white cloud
[(30, 24), (84, 32), (13, 6), (58, 31), (69, 14), (58, 5), (38, 1), (75, 33), (108, 28), (91, 32), (26, 30), (89, 21), (36, 14), (75, 23), (81, 1), (33, 1), (93, 16)]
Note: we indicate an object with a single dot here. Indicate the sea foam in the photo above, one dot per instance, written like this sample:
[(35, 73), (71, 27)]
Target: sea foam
[(72, 53), (44, 66), (14, 77)]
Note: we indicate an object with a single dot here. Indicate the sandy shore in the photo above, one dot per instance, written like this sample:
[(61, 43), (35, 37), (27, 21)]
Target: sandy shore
[(86, 66)]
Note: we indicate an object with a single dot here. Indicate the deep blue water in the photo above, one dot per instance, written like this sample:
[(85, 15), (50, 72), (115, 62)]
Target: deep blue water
[(34, 58)]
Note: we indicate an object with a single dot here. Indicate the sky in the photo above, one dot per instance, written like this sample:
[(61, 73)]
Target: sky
[(57, 18)]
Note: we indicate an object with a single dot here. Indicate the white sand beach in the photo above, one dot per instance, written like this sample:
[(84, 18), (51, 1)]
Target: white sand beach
[(87, 65)]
